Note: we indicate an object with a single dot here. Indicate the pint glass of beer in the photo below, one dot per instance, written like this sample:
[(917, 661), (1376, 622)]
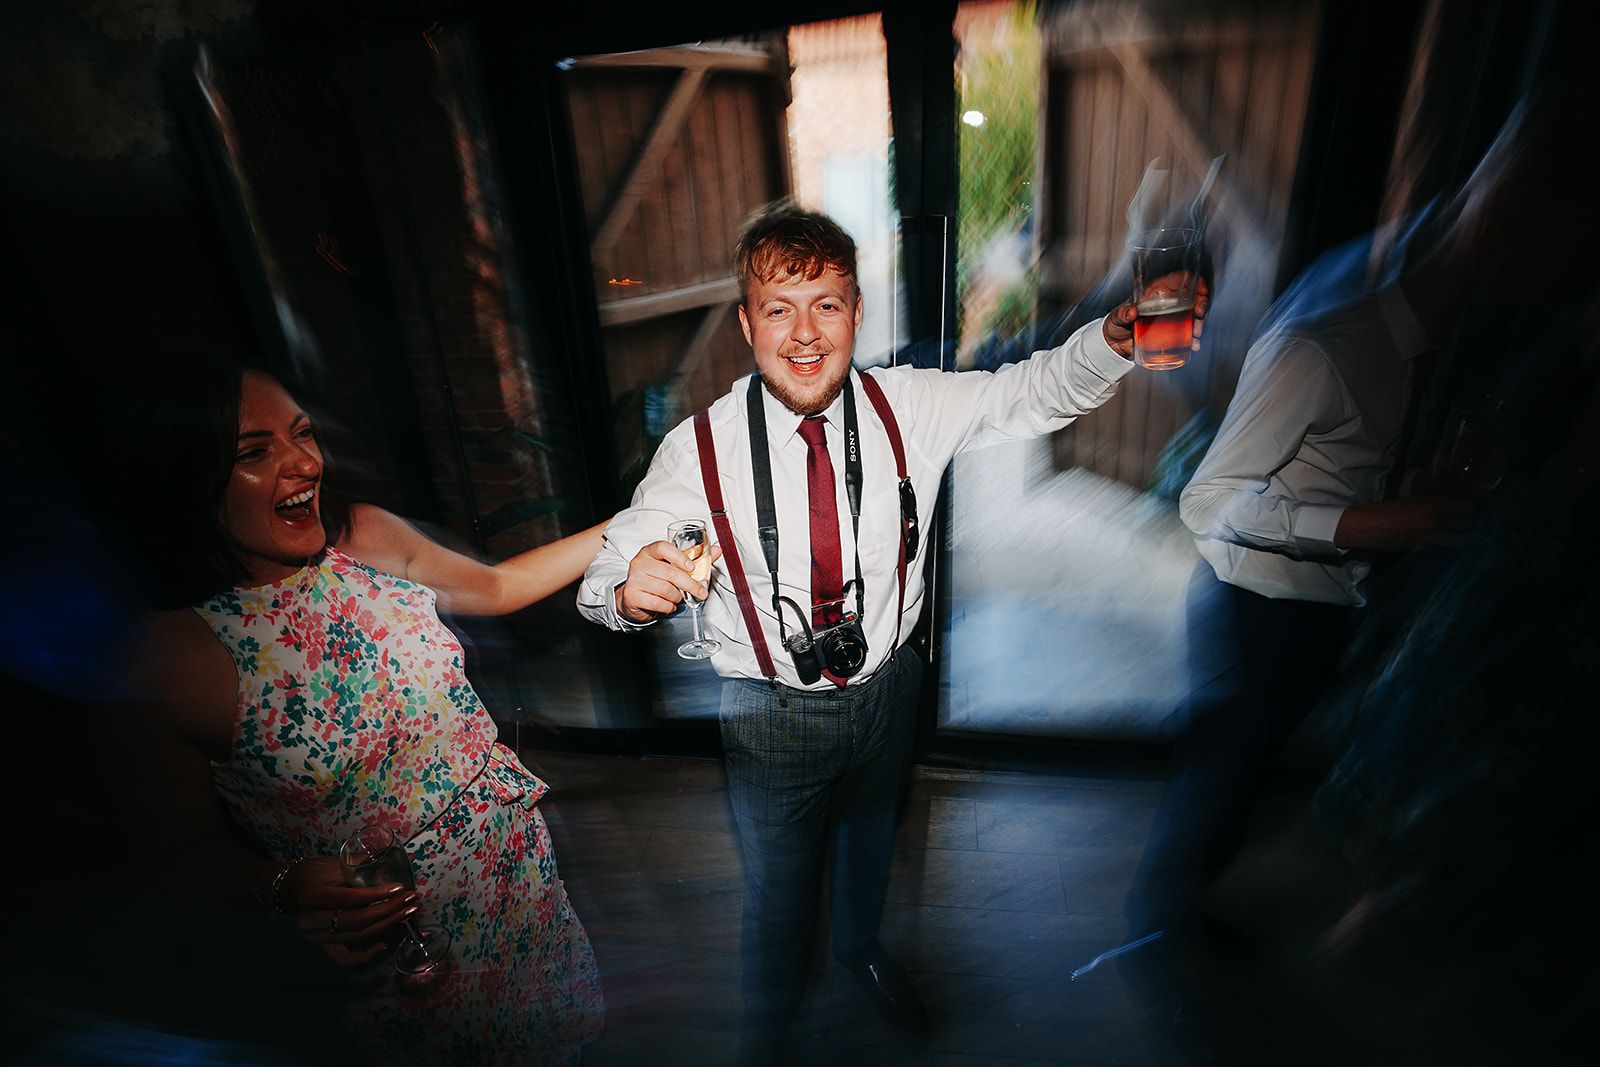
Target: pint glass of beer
[(1166, 273)]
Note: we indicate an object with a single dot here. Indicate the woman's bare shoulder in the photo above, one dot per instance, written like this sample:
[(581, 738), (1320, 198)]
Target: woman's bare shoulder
[(380, 539)]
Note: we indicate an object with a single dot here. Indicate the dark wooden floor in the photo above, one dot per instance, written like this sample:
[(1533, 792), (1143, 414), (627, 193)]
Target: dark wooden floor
[(1003, 884)]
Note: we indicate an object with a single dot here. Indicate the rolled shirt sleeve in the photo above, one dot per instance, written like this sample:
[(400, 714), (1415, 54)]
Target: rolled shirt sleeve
[(938, 414), (671, 490), (1287, 390), (1314, 428)]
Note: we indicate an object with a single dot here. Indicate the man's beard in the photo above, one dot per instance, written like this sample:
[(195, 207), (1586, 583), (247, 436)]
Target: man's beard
[(812, 403)]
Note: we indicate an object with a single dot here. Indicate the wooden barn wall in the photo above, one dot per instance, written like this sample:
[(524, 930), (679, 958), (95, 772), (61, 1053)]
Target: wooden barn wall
[(1124, 85), (675, 147)]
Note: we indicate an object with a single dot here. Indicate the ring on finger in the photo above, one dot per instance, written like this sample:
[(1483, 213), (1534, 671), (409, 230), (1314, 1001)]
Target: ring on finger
[(333, 924)]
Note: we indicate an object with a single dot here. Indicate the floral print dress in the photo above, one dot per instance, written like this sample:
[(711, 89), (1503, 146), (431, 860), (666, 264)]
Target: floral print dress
[(354, 708)]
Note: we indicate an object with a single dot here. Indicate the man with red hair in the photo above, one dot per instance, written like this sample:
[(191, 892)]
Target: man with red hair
[(819, 702)]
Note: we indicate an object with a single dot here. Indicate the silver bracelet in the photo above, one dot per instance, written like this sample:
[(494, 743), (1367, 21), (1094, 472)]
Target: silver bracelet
[(277, 885)]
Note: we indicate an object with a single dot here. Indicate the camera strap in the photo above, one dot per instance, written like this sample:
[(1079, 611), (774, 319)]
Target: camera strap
[(766, 510)]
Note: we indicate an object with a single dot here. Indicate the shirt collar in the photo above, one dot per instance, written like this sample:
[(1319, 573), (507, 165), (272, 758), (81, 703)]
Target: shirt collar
[(783, 424), (1410, 339)]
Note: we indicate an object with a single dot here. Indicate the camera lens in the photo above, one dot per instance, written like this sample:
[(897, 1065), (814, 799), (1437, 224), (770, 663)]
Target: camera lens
[(844, 650)]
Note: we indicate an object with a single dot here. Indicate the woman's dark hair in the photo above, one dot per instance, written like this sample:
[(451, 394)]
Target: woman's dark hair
[(184, 409)]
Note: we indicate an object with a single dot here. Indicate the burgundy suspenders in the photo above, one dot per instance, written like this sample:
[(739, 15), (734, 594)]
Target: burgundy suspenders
[(730, 553), (908, 498)]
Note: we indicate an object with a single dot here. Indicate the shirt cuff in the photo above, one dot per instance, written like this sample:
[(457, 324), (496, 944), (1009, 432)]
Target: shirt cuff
[(619, 620), (597, 601), (1314, 526), (1100, 355)]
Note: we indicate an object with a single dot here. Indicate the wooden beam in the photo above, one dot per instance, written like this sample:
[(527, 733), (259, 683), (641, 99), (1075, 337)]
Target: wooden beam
[(723, 291), (1083, 32), (1166, 111), (647, 162), (746, 60), (1163, 108)]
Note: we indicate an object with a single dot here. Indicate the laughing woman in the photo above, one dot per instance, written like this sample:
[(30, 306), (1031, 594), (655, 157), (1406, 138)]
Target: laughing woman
[(310, 688)]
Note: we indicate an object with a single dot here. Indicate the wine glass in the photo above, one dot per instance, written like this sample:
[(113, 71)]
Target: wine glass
[(690, 536), (373, 856), (1473, 454)]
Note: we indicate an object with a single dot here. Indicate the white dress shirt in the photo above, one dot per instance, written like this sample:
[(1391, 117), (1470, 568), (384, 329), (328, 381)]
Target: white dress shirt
[(938, 414), (1312, 430)]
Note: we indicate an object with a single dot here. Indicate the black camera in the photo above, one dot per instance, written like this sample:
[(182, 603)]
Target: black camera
[(840, 649)]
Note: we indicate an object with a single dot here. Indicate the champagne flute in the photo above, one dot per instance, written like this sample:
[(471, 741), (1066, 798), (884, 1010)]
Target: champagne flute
[(373, 856), (690, 536)]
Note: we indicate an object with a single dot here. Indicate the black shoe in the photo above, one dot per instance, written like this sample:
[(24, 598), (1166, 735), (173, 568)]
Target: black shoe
[(889, 989)]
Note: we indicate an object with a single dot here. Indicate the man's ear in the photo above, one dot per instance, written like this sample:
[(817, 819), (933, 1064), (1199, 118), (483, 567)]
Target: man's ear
[(857, 328), (744, 324)]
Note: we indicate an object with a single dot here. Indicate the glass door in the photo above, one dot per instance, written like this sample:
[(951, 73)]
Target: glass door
[(675, 148), (1066, 564), (987, 231)]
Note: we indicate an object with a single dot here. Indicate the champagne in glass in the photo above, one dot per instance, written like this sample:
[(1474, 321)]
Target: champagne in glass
[(690, 536), (373, 856)]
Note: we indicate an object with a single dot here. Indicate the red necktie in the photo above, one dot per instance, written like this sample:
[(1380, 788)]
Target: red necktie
[(826, 569)]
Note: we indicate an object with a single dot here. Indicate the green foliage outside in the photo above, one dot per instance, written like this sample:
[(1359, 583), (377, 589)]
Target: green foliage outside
[(1000, 79), (1014, 311)]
